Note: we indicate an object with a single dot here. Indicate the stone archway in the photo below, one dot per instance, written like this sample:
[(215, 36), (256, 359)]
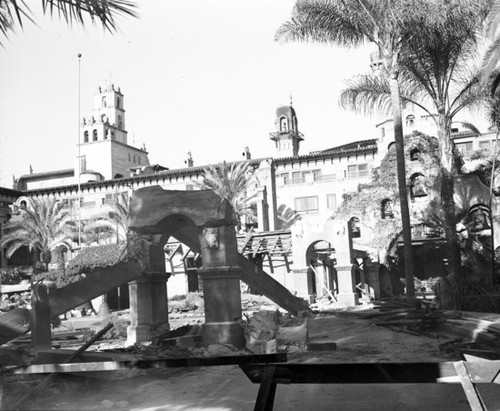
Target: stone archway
[(322, 275), (202, 221)]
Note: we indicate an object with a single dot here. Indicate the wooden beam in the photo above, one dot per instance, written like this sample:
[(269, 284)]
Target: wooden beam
[(475, 401), (365, 373), (144, 364)]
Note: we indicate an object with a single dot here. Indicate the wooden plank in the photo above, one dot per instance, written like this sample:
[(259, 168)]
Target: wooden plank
[(92, 286), (14, 323), (267, 390), (144, 364), (475, 401), (48, 379), (358, 373)]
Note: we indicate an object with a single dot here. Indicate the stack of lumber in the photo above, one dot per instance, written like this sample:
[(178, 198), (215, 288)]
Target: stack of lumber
[(474, 333)]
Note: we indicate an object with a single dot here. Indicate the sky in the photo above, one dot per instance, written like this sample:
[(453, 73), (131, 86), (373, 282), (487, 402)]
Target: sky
[(197, 76)]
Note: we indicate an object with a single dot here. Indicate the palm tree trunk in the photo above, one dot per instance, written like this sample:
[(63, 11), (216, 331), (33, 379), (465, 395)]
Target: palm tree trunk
[(489, 276), (447, 192), (403, 193)]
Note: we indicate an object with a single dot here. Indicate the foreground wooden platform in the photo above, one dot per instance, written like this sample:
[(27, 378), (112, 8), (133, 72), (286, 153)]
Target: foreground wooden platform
[(272, 369)]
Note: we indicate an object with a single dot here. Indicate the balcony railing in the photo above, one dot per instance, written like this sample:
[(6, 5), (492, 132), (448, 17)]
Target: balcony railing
[(325, 178), (357, 174), (292, 181)]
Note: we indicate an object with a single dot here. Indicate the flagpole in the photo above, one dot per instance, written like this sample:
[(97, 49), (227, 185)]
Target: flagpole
[(79, 157)]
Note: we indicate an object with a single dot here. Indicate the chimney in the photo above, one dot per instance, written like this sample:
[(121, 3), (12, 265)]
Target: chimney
[(189, 160), (247, 154)]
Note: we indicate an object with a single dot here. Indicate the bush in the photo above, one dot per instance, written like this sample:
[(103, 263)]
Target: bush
[(14, 275), (60, 278)]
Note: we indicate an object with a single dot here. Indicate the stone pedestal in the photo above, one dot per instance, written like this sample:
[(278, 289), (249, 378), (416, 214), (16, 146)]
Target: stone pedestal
[(347, 286), (222, 295), (40, 323), (148, 307), (303, 284), (372, 278)]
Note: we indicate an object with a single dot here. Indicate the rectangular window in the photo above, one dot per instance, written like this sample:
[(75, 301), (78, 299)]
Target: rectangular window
[(129, 157), (109, 199), (306, 204), (357, 170), (486, 144), (139, 159), (317, 175), (465, 148), (286, 178), (296, 178), (331, 201)]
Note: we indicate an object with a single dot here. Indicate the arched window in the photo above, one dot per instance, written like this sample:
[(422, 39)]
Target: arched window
[(414, 154), (354, 227), (118, 102), (387, 210), (23, 204), (283, 124), (478, 219), (104, 104), (94, 135), (119, 122), (86, 137), (410, 120), (418, 188)]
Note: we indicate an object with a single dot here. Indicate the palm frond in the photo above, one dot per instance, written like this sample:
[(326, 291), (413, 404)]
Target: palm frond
[(15, 12), (233, 182), (104, 11), (324, 21)]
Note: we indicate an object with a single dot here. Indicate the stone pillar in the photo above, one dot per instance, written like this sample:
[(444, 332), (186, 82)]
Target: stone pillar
[(347, 286), (40, 323), (221, 286), (303, 284), (262, 209), (148, 296), (148, 307), (372, 278), (222, 295)]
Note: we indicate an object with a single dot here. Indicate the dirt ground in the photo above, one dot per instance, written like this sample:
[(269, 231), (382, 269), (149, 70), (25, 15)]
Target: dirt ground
[(227, 388)]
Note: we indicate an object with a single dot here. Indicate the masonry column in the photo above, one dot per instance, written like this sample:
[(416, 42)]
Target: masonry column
[(221, 286), (347, 295), (40, 322), (372, 278), (148, 297)]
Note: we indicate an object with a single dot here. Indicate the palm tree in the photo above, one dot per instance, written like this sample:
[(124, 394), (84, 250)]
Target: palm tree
[(492, 33), (287, 217), (97, 229), (435, 75), (350, 24), (14, 12), (234, 183), (119, 216), (42, 226)]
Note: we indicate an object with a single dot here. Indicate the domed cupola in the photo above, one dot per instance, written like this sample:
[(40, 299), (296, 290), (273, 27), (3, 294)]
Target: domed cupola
[(287, 136)]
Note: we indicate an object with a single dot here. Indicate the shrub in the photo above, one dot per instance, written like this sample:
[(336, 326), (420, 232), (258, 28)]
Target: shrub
[(14, 275)]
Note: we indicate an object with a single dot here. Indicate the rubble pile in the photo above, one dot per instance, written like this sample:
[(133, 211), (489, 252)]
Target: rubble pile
[(475, 333)]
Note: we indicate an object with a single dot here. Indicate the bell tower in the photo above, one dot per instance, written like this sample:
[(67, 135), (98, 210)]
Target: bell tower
[(108, 117), (287, 136), (104, 146)]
